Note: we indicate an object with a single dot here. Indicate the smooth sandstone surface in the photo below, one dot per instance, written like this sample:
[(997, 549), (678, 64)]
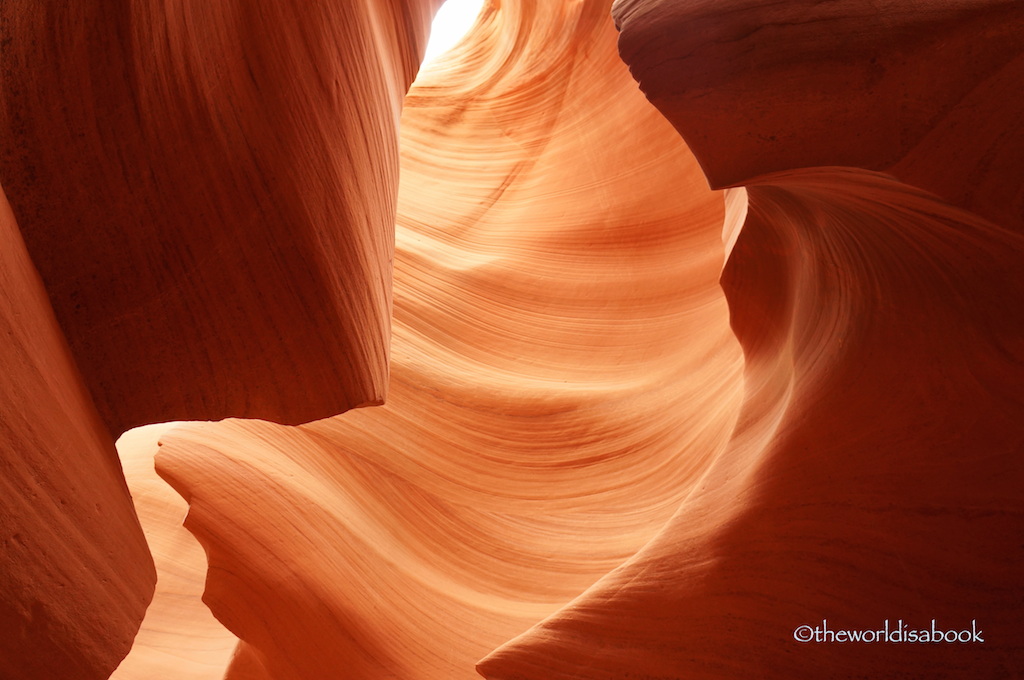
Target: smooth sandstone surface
[(926, 91), (635, 429), (562, 372), (215, 238), (179, 634), (875, 473), (208, 192), (75, 575), (876, 470)]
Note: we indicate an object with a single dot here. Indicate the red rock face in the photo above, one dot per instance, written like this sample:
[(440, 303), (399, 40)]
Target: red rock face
[(927, 92), (874, 474), (208, 193), (210, 210), (635, 428), (556, 322), (75, 575), (875, 471)]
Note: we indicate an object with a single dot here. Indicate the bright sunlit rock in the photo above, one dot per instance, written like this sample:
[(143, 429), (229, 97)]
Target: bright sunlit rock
[(452, 22)]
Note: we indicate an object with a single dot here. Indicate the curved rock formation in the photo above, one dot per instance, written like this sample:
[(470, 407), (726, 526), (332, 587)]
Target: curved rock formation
[(562, 372), (875, 474), (75, 575), (579, 472), (208, 192), (215, 237), (928, 92), (876, 471), (179, 634)]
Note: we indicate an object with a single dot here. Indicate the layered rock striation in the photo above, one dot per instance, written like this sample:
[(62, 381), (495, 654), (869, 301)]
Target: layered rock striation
[(635, 428)]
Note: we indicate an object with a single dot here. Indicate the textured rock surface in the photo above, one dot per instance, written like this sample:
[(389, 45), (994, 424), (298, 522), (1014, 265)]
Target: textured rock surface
[(562, 372), (75, 575), (876, 470), (210, 211), (579, 473), (179, 634), (926, 91), (208, 191)]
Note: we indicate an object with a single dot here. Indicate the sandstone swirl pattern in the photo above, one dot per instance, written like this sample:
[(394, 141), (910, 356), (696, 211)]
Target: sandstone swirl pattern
[(204, 197), (562, 372), (876, 469), (635, 429)]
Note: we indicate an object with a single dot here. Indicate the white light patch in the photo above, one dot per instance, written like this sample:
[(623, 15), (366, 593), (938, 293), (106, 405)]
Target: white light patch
[(451, 22)]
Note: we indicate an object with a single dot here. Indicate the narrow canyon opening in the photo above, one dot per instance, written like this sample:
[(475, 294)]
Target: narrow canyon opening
[(451, 23)]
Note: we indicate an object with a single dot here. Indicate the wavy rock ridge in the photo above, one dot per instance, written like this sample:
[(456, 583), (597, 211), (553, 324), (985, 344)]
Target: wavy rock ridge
[(603, 453), (875, 471), (532, 439)]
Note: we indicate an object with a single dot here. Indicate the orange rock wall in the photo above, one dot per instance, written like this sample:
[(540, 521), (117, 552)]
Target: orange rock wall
[(179, 633), (876, 472), (635, 429), (925, 91), (214, 236), (75, 574), (562, 372), (208, 192)]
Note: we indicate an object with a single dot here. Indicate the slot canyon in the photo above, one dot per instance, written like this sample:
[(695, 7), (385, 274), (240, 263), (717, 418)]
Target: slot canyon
[(645, 340)]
